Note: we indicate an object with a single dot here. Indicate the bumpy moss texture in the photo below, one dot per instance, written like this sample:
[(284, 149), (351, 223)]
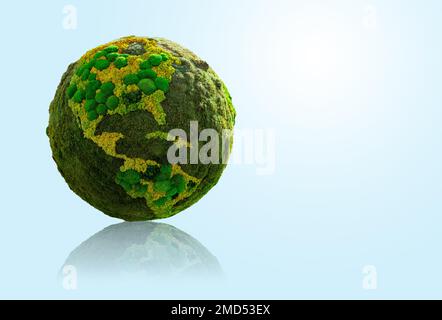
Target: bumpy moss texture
[(109, 121)]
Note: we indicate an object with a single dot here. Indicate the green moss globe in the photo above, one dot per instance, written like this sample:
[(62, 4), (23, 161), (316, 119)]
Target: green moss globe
[(110, 123)]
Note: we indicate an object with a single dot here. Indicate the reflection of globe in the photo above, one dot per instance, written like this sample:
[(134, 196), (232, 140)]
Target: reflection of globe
[(142, 250), (110, 122)]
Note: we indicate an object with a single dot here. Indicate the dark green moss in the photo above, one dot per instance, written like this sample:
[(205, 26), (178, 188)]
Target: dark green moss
[(145, 65), (102, 64), (93, 85), (147, 86), (161, 202), (162, 84), (101, 97), (85, 74), (155, 59), (90, 105), (101, 109), (88, 171), (78, 96), (92, 115), (100, 54), (111, 49), (107, 88), (89, 65), (112, 102), (147, 73), (151, 172), (120, 62), (90, 94), (132, 97), (71, 90), (112, 56), (131, 79)]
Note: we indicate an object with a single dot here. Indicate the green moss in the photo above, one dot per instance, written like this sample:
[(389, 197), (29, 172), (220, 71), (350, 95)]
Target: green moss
[(100, 54), (120, 62), (101, 97), (90, 105), (164, 173), (162, 201), (107, 88), (130, 176), (92, 115), (102, 64), (179, 182), (93, 85), (166, 169), (112, 102), (101, 109), (162, 84), (140, 190), (71, 90), (78, 96), (111, 49), (145, 65), (112, 56), (155, 59), (90, 94), (151, 172), (162, 186), (131, 79), (89, 65), (85, 74), (147, 86), (147, 73), (132, 97), (80, 70), (171, 192)]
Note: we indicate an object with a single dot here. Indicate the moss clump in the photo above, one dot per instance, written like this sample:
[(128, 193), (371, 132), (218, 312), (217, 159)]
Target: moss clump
[(110, 119), (120, 62), (145, 65), (112, 102), (162, 84), (102, 109), (131, 79), (147, 86), (155, 59), (147, 73), (102, 64)]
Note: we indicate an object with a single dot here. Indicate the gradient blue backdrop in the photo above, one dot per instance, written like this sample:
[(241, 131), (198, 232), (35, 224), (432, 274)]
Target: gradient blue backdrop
[(356, 109)]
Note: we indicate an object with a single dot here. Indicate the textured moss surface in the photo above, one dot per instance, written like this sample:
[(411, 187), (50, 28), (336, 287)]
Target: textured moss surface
[(109, 121)]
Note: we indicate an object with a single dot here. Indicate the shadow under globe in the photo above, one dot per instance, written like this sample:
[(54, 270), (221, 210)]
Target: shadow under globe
[(142, 251)]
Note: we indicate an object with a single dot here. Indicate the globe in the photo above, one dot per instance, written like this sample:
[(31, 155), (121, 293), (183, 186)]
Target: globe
[(141, 128)]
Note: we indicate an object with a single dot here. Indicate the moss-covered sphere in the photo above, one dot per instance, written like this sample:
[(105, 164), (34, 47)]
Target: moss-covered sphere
[(110, 119)]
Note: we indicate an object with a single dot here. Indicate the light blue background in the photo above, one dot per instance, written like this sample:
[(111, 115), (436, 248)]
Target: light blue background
[(356, 112)]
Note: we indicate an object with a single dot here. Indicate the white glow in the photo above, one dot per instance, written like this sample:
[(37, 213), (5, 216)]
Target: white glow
[(315, 52)]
